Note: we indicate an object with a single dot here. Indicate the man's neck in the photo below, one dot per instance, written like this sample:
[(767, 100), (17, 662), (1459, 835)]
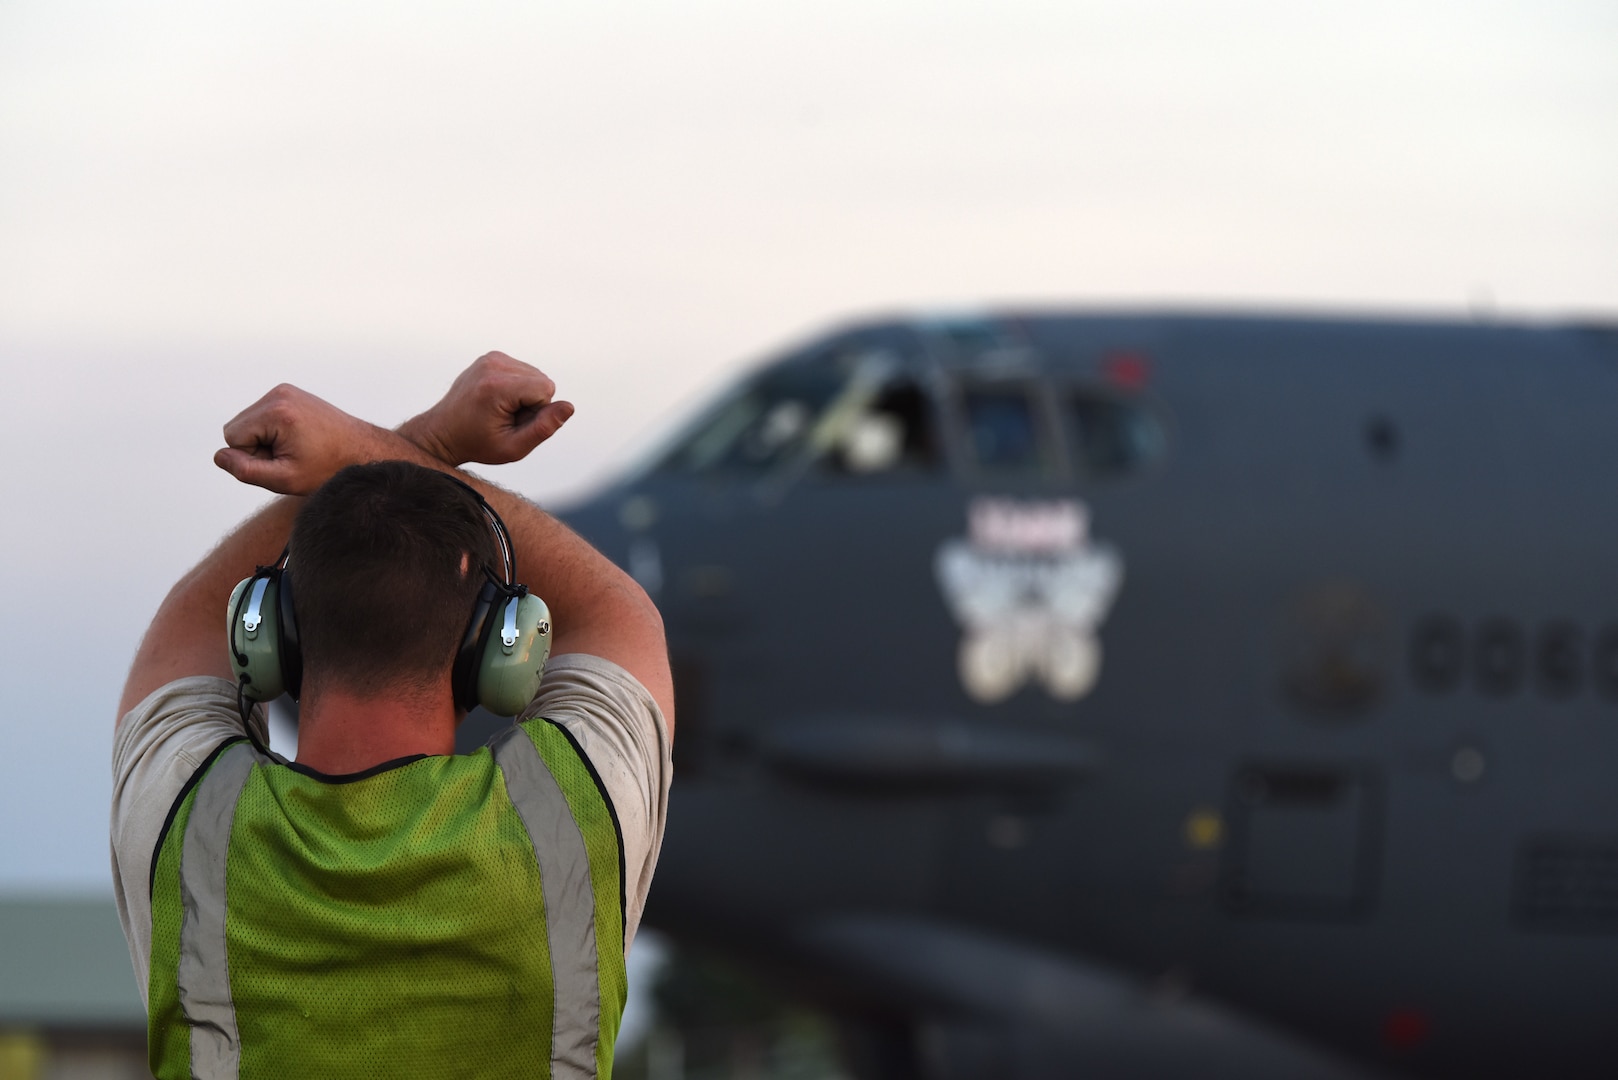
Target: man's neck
[(341, 732)]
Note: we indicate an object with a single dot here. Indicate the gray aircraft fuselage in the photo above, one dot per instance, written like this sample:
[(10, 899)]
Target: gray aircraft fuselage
[(1094, 694)]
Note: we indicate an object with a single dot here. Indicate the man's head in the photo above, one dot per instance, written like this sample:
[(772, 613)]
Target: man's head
[(387, 560)]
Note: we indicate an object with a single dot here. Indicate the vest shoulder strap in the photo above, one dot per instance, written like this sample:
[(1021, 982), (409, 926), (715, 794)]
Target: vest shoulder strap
[(577, 842), (192, 1022)]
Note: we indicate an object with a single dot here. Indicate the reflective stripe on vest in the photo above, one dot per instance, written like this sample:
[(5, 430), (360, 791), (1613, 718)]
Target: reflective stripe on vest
[(564, 868), (204, 979)]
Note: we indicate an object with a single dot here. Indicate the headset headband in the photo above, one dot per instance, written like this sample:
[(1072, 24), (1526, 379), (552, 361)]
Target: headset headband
[(502, 536)]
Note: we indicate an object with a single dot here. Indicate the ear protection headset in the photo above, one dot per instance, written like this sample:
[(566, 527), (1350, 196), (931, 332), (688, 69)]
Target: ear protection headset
[(499, 664)]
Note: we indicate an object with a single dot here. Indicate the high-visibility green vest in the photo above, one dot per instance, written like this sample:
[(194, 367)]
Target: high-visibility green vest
[(435, 917)]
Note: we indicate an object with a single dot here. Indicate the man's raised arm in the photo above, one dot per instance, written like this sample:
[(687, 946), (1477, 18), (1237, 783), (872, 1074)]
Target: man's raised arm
[(497, 411)]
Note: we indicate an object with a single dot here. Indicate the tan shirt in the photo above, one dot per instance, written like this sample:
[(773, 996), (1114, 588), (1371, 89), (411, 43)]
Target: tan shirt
[(164, 740)]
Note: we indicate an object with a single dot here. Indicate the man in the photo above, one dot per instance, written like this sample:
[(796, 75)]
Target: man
[(381, 907)]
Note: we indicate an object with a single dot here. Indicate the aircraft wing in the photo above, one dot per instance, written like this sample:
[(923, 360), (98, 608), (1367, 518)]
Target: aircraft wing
[(1000, 1009), (893, 752)]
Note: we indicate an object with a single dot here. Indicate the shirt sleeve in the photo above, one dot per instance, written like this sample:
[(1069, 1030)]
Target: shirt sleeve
[(622, 731), (158, 747)]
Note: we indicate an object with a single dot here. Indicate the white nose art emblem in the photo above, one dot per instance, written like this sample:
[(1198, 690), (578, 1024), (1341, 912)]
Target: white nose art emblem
[(1030, 590)]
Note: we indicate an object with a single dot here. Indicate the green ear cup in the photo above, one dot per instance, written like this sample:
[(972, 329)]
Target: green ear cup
[(514, 657), (253, 629)]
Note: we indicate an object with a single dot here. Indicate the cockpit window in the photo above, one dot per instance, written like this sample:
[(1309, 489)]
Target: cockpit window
[(1109, 435), (848, 411), (765, 423), (1003, 429), (893, 432)]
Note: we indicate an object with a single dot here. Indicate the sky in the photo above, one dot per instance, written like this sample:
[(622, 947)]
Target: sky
[(201, 200)]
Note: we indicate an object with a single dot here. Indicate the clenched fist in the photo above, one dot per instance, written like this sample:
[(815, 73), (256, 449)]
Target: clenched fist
[(496, 411), (291, 442)]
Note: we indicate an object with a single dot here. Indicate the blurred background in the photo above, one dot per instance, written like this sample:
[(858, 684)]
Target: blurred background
[(201, 200)]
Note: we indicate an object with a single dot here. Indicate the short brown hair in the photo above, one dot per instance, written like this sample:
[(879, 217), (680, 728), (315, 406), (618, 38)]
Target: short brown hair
[(386, 563)]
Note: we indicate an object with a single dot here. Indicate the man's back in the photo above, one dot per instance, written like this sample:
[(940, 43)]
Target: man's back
[(380, 923)]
